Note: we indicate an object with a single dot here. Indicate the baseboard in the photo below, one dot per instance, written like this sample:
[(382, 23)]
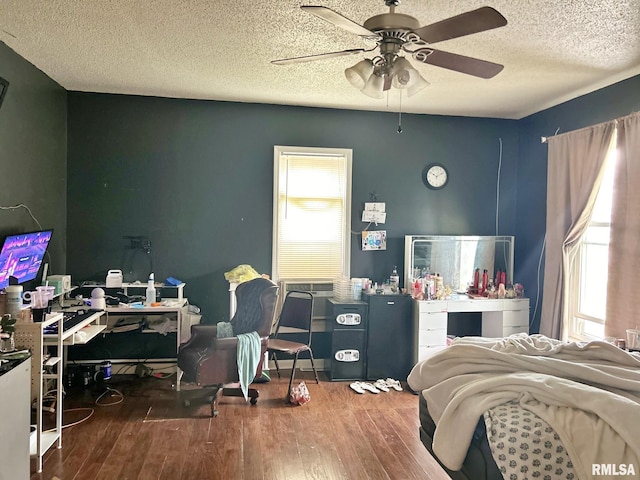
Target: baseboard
[(322, 364)]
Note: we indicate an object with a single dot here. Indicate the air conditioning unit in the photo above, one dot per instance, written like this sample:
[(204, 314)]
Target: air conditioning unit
[(321, 290)]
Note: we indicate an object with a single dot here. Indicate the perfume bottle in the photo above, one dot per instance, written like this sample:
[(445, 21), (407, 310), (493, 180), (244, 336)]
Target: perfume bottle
[(394, 278)]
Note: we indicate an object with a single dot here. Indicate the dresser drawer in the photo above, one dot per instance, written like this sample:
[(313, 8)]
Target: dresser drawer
[(428, 351), (506, 331), (432, 337), (430, 306), (430, 321), (515, 319), (476, 305)]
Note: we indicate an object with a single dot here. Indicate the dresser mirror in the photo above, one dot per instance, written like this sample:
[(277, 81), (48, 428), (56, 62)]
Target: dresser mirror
[(456, 258)]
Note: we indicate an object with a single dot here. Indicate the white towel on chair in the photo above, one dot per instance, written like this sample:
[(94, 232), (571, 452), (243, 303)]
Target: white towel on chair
[(249, 353)]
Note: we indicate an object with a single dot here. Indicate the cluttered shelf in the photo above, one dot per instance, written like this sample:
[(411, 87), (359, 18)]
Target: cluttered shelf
[(78, 327), (126, 287)]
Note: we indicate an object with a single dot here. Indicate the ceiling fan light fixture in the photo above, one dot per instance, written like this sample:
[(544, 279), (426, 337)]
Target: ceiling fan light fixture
[(403, 73), (359, 74), (374, 87), (417, 84)]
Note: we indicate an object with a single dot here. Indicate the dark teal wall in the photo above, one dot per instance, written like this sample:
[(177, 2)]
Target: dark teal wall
[(196, 177), (603, 105), (33, 154)]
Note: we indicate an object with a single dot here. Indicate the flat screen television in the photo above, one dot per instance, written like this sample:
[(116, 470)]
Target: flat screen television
[(21, 256)]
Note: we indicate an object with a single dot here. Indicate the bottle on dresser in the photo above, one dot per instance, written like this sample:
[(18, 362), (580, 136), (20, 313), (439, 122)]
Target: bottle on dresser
[(394, 280)]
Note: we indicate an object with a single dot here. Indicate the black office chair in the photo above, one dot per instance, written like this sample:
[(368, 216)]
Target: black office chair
[(210, 361), (296, 314)]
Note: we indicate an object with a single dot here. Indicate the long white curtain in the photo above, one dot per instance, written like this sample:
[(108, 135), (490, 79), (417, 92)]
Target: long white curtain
[(623, 295), (575, 171)]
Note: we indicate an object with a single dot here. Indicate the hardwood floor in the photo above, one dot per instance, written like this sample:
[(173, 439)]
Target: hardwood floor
[(339, 434)]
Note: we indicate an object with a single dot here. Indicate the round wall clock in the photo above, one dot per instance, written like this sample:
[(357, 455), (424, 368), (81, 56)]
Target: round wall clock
[(435, 176)]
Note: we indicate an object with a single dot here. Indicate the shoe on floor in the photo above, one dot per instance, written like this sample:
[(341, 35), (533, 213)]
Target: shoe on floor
[(381, 385), (393, 383), (355, 386), (369, 387)]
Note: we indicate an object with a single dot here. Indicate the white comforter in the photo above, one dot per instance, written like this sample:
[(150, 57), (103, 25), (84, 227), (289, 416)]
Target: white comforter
[(588, 392)]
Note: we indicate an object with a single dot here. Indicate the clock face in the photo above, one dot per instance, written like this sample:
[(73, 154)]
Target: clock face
[(435, 176)]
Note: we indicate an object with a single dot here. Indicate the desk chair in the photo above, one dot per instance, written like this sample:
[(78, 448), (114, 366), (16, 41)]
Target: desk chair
[(211, 362), (296, 314)]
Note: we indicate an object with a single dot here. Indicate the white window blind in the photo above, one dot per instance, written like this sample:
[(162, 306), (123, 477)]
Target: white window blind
[(312, 205)]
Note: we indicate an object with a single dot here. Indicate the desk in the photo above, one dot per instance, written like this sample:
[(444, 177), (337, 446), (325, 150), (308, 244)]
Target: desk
[(173, 306), (500, 318)]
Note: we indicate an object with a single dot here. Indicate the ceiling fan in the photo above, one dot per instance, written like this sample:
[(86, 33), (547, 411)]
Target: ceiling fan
[(394, 33)]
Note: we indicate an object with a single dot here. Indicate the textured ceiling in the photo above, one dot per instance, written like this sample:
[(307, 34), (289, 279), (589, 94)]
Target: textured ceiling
[(552, 50)]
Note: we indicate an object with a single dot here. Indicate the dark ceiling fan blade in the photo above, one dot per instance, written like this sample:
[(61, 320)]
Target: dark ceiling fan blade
[(338, 20), (475, 21), (458, 63), (321, 56)]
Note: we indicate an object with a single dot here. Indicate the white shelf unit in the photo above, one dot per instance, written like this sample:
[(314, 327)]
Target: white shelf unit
[(46, 370), (87, 326)]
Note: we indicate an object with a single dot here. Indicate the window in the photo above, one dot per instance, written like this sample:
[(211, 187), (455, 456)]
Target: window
[(588, 282), (311, 213)]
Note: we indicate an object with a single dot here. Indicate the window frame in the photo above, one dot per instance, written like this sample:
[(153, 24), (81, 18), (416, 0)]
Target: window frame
[(576, 317), (347, 153)]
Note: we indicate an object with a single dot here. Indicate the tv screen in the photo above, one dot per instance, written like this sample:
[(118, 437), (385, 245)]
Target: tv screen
[(21, 256)]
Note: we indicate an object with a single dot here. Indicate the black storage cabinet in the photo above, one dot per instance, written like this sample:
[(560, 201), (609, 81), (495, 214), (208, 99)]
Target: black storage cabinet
[(348, 340), (389, 337)]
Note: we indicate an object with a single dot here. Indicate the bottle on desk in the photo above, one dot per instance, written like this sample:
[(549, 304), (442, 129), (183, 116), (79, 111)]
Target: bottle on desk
[(151, 291)]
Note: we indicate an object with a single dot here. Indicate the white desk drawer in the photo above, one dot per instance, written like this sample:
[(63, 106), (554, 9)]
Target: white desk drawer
[(431, 321), (516, 304), (506, 331), (473, 305), (428, 351), (432, 337), (431, 306), (515, 318)]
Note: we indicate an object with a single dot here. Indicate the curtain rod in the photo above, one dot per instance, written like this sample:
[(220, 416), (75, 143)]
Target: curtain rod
[(546, 139)]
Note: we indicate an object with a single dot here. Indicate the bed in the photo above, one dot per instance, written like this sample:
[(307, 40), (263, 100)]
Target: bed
[(528, 406)]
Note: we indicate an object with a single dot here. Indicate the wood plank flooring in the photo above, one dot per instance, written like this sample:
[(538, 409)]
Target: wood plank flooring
[(339, 434)]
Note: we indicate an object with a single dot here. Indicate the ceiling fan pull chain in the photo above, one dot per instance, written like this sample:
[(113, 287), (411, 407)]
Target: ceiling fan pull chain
[(400, 115)]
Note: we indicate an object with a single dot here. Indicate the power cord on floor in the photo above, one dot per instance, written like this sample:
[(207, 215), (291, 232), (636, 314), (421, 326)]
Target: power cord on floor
[(91, 411), (48, 401), (110, 391)]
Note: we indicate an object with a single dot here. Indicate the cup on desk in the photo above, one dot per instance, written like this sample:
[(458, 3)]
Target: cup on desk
[(37, 299), (48, 291), (38, 314)]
